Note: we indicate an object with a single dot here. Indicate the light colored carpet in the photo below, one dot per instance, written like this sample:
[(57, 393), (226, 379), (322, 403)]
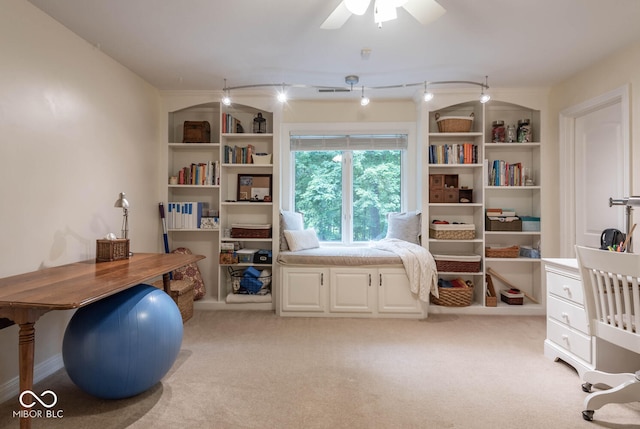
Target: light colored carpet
[(241, 369)]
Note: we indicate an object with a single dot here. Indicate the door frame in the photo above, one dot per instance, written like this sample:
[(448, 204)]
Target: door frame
[(567, 158)]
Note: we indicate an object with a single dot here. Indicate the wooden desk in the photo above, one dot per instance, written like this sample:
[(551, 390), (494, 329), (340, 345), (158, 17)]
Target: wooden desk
[(26, 297)]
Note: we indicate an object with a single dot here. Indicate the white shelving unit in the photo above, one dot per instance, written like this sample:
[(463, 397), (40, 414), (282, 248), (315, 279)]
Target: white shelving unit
[(526, 273), (222, 197)]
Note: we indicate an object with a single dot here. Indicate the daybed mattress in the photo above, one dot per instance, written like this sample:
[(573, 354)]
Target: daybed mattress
[(339, 256)]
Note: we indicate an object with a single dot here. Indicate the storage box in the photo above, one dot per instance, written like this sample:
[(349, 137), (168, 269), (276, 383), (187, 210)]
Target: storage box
[(511, 297), (245, 256), (459, 231), (262, 256), (112, 250), (227, 257), (502, 252), (530, 223), (458, 263), (490, 299), (196, 132), (529, 252), (496, 224), (182, 295)]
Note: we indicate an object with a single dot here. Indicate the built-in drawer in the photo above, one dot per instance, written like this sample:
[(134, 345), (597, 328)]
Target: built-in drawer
[(573, 341), (565, 312), (565, 287)]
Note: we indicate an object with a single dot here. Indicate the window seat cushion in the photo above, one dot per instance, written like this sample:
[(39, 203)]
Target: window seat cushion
[(339, 256)]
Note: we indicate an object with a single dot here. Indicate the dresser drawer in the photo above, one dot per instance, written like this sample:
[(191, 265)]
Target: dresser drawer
[(574, 342), (565, 287), (569, 314)]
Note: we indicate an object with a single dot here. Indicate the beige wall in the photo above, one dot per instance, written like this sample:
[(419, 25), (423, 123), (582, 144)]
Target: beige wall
[(612, 72), (76, 129)]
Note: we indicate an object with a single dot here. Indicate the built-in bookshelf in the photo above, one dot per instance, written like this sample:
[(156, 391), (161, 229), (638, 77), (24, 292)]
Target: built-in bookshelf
[(486, 175)]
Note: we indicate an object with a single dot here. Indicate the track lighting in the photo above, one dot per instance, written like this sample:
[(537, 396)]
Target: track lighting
[(282, 95), (226, 100), (484, 97), (352, 80), (364, 100), (428, 95)]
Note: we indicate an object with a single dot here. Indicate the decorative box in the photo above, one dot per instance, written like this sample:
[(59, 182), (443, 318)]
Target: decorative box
[(452, 231), (511, 297), (196, 132), (112, 250), (503, 223), (261, 158), (228, 258), (209, 223), (458, 263), (530, 223)]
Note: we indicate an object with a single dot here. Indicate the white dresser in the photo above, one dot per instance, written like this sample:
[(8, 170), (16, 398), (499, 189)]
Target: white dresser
[(567, 325)]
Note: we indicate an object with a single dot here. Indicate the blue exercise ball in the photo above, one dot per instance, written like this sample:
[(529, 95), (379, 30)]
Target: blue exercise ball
[(122, 345)]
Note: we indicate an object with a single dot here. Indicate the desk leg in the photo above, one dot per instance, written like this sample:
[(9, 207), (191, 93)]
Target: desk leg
[(166, 282), (26, 342)]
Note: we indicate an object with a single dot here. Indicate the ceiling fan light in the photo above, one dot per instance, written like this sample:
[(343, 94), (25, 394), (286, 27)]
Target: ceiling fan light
[(357, 7), (383, 12)]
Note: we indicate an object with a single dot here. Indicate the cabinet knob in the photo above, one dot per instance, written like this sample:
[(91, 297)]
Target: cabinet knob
[(565, 338), (567, 289), (565, 316)]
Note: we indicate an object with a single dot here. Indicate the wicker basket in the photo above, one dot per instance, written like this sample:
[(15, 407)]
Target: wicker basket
[(458, 264), (454, 124), (454, 296), (112, 250), (452, 231), (239, 232), (502, 252), (236, 277)]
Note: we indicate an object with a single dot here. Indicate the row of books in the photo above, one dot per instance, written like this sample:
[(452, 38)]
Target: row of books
[(231, 124), (187, 215), (503, 173), (457, 153), (203, 173), (238, 154)]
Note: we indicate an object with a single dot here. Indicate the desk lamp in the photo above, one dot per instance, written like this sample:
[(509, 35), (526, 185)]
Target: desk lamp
[(629, 203), (122, 202)]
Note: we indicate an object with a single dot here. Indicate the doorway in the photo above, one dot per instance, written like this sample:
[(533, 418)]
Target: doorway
[(594, 157)]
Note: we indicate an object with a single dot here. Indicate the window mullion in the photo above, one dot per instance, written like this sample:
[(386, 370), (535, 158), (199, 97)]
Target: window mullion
[(347, 197)]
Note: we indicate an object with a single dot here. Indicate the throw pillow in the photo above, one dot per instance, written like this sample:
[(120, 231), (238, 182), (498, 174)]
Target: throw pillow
[(191, 273), (292, 221), (302, 239), (404, 226)]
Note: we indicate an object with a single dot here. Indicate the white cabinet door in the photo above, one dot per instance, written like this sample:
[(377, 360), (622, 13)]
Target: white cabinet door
[(394, 292), (304, 289), (352, 290)]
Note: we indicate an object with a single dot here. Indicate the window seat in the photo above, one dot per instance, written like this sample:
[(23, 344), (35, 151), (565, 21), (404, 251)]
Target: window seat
[(338, 256)]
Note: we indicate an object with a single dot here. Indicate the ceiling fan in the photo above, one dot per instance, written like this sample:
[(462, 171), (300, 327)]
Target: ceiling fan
[(424, 11)]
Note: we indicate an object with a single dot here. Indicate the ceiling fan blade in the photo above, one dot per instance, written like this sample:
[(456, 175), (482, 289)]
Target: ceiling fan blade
[(424, 11), (337, 18)]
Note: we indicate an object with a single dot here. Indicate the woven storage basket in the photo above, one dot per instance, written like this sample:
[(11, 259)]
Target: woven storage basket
[(458, 263), (502, 252), (452, 231), (453, 296), (454, 124)]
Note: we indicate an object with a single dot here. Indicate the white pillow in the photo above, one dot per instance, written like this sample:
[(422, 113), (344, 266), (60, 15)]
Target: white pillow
[(301, 239), (404, 226), (292, 221)]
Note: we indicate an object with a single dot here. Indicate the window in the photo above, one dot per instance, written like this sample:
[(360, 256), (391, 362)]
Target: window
[(346, 185)]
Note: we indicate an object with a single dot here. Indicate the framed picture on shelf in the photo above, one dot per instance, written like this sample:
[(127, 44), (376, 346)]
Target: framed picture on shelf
[(254, 187)]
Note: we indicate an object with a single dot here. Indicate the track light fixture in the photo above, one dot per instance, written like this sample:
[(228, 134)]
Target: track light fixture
[(484, 97), (351, 80), (428, 95), (364, 100)]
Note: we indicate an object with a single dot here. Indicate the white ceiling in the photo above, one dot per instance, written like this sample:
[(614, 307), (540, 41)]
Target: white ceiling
[(196, 44)]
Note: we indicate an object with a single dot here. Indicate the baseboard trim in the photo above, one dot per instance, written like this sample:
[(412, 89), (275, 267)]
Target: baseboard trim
[(11, 388)]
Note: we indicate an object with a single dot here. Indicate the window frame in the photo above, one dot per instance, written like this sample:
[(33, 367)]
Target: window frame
[(410, 162)]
